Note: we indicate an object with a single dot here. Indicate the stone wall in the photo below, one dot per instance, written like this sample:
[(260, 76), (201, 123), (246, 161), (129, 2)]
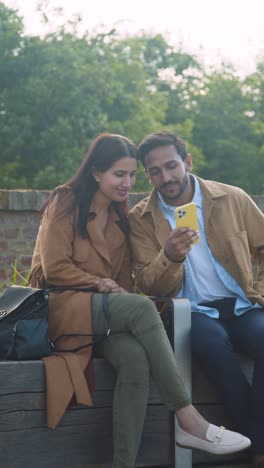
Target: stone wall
[(19, 221)]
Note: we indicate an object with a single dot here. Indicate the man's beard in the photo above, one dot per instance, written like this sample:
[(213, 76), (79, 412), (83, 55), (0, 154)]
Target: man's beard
[(183, 186)]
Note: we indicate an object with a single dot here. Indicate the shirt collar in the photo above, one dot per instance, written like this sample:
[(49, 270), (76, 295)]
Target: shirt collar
[(198, 194)]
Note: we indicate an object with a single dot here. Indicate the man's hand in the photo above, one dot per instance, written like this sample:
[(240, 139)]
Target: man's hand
[(179, 243), (107, 285)]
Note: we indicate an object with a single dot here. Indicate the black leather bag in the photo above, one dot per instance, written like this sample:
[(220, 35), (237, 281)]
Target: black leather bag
[(24, 323)]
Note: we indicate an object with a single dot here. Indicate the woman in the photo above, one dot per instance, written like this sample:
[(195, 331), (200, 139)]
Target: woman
[(82, 242)]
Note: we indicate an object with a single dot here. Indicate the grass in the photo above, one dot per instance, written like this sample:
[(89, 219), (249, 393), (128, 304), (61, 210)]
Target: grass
[(17, 277)]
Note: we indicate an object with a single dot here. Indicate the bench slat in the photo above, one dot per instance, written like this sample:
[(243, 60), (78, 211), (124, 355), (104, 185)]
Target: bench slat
[(73, 447)]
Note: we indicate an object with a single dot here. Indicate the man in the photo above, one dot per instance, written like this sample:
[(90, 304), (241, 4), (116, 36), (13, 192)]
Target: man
[(215, 273)]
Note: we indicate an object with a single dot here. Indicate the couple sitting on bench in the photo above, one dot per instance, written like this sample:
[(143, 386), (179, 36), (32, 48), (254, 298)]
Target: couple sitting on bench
[(84, 240)]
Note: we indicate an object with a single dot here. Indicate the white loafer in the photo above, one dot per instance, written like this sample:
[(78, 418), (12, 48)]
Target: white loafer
[(218, 441)]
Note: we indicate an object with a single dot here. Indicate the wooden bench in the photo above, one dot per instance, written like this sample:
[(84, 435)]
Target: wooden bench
[(84, 436)]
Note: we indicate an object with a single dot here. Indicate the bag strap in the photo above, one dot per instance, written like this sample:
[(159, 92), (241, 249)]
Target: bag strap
[(72, 335), (70, 288), (105, 306)]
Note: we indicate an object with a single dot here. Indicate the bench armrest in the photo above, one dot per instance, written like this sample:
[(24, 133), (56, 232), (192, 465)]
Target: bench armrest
[(182, 350), (182, 346)]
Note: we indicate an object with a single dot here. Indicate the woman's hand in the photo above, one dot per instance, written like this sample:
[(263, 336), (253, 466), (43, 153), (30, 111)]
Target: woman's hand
[(107, 285)]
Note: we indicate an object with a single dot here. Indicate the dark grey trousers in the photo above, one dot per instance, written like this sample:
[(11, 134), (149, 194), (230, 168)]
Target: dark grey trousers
[(214, 342)]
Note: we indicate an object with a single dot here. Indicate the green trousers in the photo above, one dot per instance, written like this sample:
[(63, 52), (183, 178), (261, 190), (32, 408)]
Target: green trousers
[(137, 347)]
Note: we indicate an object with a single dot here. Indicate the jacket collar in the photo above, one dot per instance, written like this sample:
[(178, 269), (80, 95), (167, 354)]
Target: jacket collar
[(211, 192), (161, 225), (113, 238), (210, 189)]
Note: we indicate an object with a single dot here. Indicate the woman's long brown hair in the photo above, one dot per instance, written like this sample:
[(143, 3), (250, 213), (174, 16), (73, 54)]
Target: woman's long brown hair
[(105, 150)]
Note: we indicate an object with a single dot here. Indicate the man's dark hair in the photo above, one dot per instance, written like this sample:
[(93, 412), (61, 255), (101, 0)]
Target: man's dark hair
[(158, 139)]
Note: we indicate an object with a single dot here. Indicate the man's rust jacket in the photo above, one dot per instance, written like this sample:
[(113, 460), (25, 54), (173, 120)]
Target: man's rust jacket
[(234, 228)]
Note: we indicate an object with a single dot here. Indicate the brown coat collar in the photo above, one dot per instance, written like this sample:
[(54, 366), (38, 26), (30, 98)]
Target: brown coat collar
[(162, 228), (114, 237)]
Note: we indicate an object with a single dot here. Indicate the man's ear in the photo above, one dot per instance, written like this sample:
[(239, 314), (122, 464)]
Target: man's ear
[(188, 163)]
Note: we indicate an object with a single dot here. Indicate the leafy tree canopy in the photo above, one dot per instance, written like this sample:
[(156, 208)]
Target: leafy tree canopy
[(59, 91)]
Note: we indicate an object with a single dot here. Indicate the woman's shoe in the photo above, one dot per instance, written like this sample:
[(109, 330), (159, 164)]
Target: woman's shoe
[(218, 440)]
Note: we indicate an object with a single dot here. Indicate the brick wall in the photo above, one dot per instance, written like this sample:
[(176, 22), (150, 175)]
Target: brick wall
[(19, 221)]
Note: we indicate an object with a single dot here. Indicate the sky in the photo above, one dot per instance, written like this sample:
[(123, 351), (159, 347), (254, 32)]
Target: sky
[(214, 30)]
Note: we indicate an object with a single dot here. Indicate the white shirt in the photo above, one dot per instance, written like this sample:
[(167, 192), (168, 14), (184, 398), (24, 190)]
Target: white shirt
[(205, 278)]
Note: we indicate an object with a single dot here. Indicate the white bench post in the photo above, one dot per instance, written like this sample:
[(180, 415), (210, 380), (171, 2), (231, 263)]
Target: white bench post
[(182, 327)]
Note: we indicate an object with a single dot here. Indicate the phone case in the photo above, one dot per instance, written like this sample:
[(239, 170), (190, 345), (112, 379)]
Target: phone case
[(186, 216)]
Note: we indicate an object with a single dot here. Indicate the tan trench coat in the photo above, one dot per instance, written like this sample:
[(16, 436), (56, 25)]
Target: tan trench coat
[(234, 229), (63, 258)]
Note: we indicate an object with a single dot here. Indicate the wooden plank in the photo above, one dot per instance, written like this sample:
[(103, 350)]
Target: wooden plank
[(200, 458), (84, 431), (28, 377), (156, 418), (232, 465), (21, 376), (37, 401), (22, 401), (30, 401), (78, 441)]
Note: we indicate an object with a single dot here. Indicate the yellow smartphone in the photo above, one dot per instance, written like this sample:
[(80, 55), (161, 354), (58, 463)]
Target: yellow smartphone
[(186, 216)]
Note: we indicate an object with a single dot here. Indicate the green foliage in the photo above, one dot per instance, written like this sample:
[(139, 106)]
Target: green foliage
[(226, 133), (59, 91), (142, 184)]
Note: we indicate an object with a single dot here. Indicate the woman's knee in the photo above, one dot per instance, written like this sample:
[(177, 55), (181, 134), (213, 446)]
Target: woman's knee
[(133, 313), (145, 310)]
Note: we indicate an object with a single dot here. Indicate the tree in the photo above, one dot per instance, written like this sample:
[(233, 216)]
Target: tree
[(178, 77), (67, 89), (223, 131), (58, 92), (254, 91)]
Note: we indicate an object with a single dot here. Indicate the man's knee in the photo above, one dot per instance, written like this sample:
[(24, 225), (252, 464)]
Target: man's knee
[(209, 336)]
